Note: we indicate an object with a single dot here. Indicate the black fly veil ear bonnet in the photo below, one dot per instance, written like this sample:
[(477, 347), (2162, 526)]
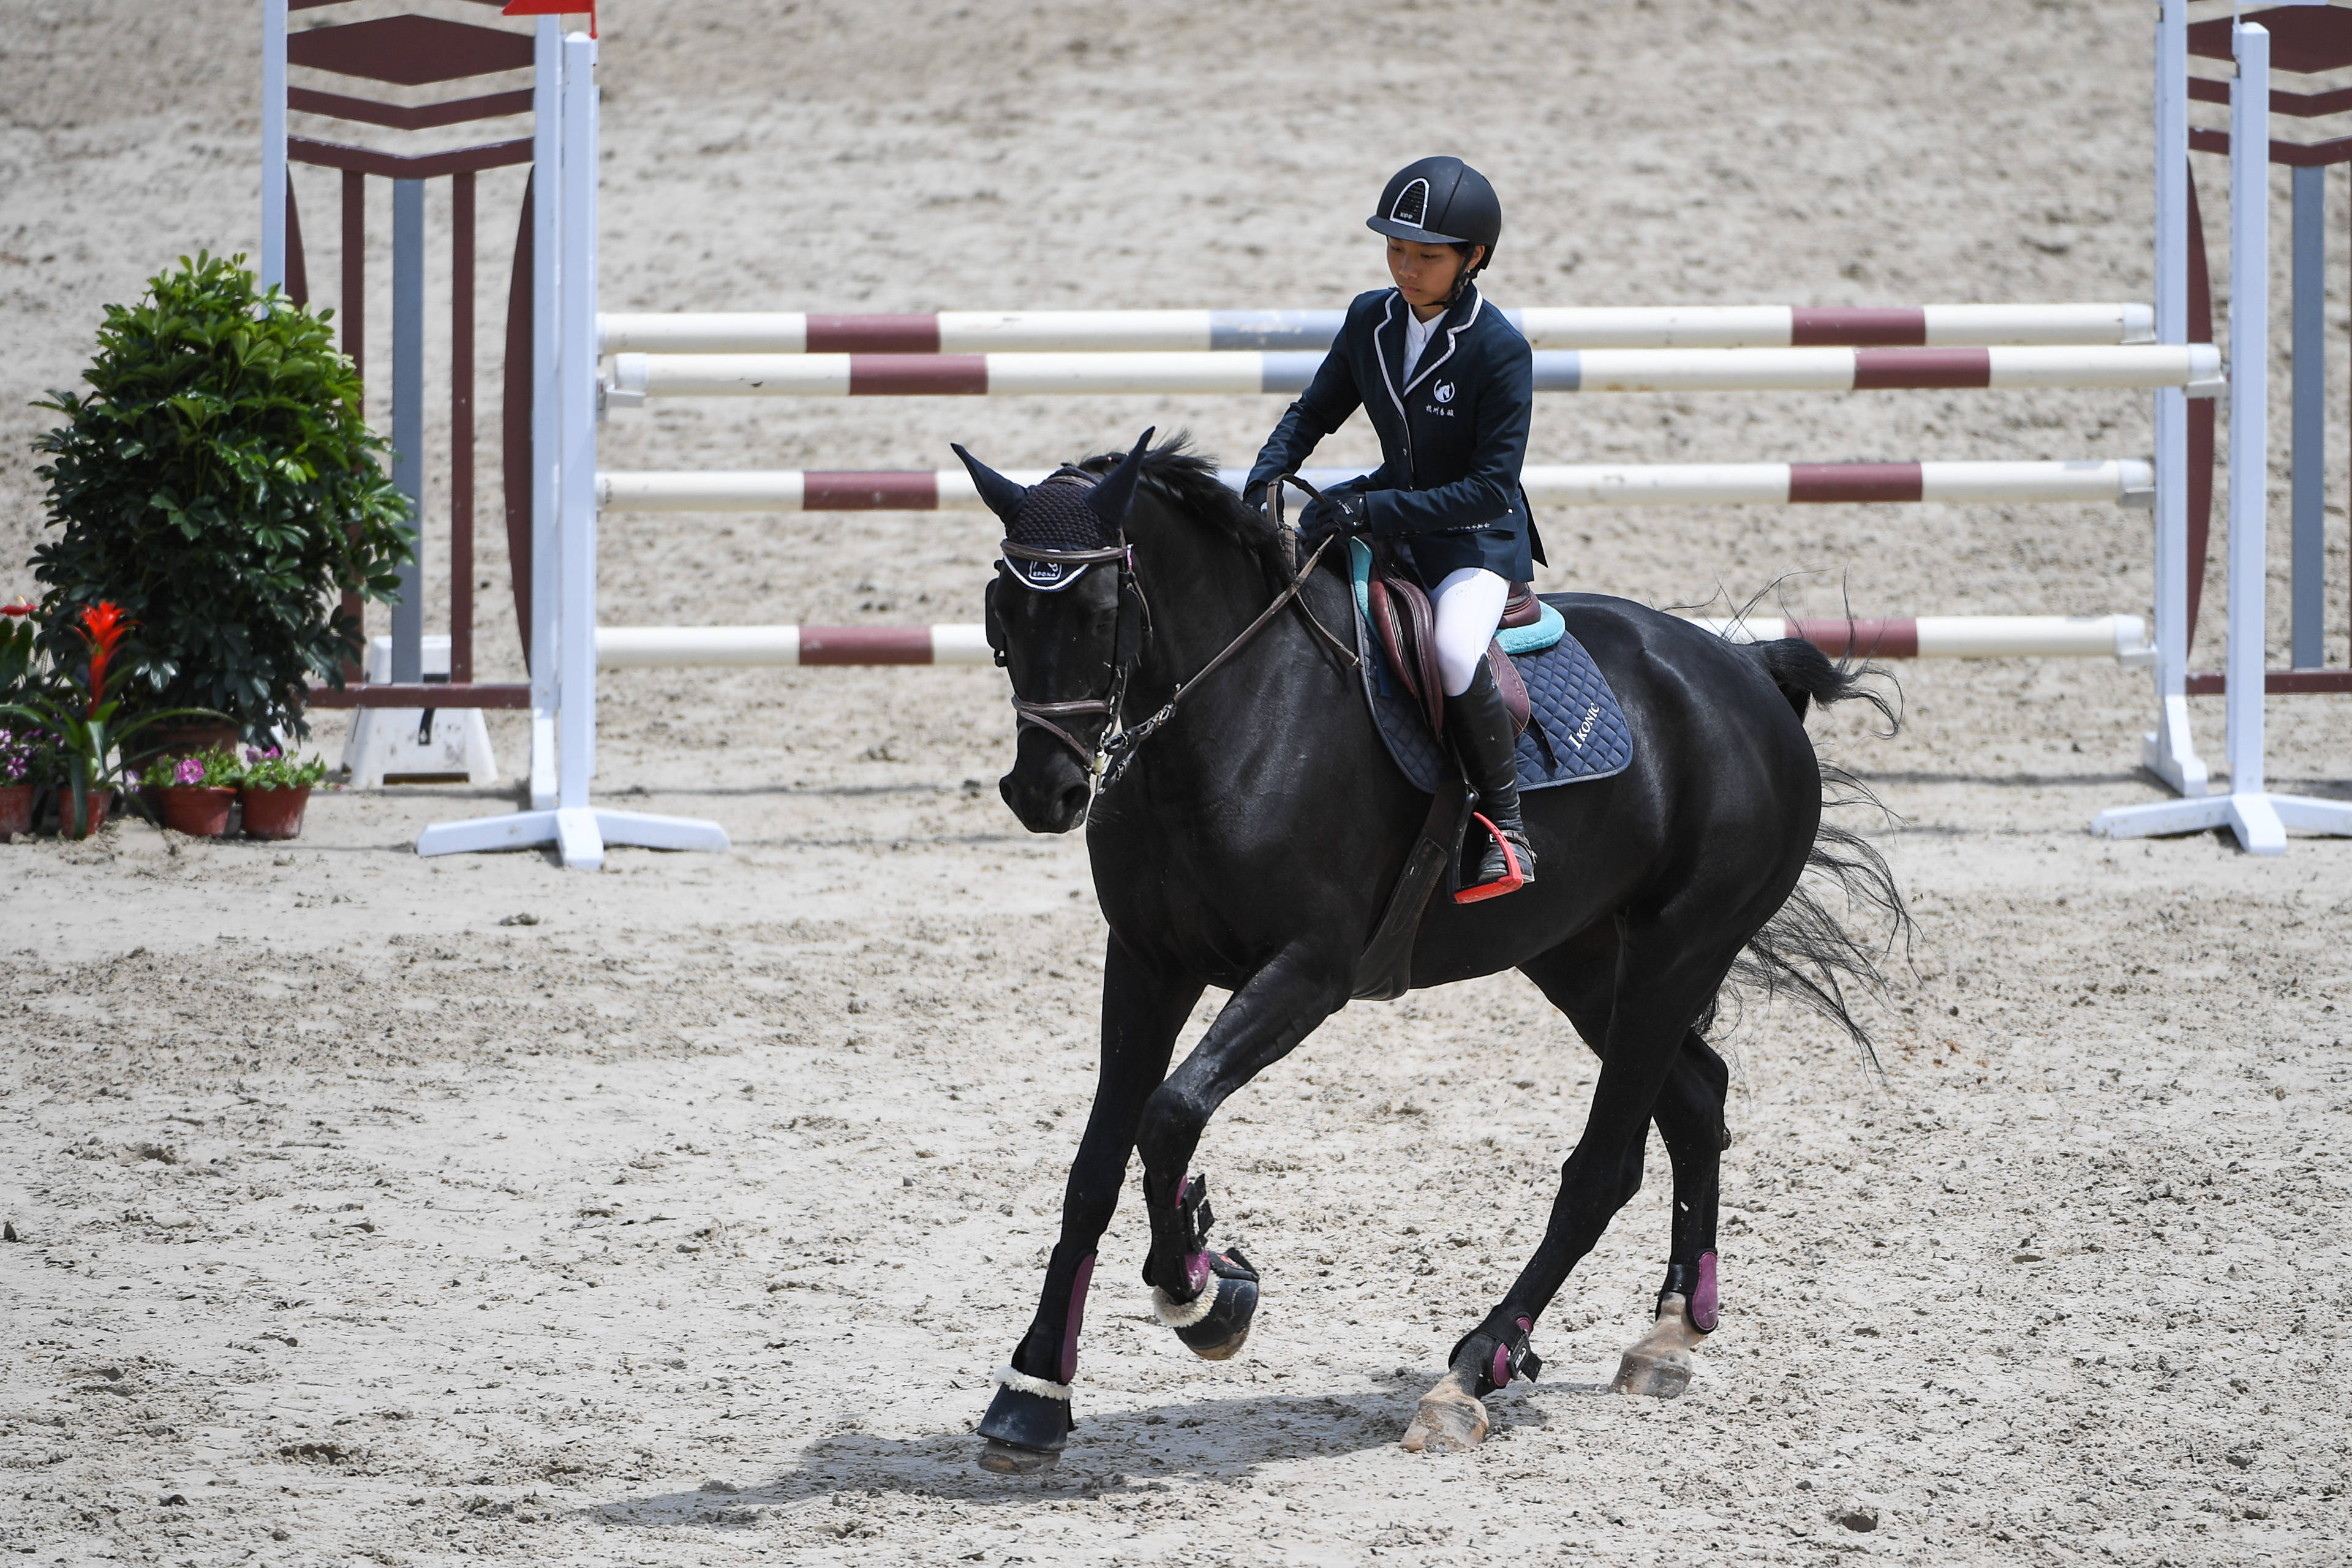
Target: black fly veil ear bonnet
[(1054, 532)]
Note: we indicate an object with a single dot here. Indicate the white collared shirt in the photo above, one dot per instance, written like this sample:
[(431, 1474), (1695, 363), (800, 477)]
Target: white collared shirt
[(1417, 334)]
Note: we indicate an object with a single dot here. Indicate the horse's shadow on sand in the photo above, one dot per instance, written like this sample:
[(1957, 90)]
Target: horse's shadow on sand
[(1120, 1451)]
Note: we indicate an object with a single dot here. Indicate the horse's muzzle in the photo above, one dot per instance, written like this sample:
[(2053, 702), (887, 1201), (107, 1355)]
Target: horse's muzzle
[(1046, 789)]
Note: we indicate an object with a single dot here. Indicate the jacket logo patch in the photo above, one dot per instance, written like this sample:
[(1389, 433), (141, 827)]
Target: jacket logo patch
[(1442, 392)]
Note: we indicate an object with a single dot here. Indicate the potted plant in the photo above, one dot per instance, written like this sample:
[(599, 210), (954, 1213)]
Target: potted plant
[(19, 751), (195, 792), (219, 484), (19, 748), (76, 717), (276, 788)]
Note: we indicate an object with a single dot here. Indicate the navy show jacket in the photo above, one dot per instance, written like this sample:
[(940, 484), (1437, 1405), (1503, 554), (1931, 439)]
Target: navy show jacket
[(1452, 440)]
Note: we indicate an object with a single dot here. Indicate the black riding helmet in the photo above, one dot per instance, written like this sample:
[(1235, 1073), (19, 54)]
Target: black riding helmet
[(1441, 201)]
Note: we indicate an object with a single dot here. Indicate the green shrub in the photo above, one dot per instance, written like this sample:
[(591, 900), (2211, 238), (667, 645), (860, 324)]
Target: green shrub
[(220, 484)]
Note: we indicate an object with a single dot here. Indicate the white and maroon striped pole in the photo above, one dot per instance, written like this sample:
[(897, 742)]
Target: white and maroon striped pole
[(2121, 638), (696, 647), (636, 376), (1547, 327), (2124, 481)]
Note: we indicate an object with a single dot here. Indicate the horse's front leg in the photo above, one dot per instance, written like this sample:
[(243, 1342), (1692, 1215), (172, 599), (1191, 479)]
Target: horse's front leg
[(1142, 1009), (1208, 1297)]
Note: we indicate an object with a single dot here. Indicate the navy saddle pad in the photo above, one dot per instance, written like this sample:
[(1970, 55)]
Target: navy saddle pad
[(1576, 731)]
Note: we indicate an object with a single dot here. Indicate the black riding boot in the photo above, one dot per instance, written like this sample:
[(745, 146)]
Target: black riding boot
[(1481, 727)]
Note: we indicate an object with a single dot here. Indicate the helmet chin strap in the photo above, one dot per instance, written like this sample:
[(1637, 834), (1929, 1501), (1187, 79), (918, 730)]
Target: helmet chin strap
[(1464, 278)]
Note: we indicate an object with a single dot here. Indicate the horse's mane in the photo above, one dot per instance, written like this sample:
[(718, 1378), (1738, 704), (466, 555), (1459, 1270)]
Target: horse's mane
[(1187, 480)]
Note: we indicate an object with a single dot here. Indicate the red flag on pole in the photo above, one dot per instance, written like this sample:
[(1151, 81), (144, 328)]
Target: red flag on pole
[(553, 8)]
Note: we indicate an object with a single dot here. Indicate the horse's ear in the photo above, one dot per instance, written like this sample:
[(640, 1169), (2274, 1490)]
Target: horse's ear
[(1109, 500), (1003, 496)]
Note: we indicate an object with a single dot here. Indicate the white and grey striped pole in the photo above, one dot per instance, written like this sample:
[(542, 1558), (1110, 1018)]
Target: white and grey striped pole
[(637, 376)]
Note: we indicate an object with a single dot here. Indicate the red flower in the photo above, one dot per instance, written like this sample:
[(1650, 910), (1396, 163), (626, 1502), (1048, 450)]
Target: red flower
[(17, 607), (103, 627)]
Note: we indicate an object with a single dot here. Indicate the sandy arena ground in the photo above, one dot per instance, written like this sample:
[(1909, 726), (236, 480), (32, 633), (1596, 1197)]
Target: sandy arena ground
[(373, 1210)]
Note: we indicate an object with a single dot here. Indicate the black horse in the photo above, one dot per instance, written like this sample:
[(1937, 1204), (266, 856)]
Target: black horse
[(1252, 843)]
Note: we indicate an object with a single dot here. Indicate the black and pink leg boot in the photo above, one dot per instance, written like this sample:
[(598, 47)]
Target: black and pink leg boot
[(1029, 1420), (1659, 1365), (1212, 1313), (1499, 1357), (1452, 1417)]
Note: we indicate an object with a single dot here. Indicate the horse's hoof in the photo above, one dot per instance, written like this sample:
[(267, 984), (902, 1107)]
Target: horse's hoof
[(1012, 1459), (1215, 1324), (1659, 1364), (1660, 1376), (1027, 1425), (1223, 1352), (1451, 1420)]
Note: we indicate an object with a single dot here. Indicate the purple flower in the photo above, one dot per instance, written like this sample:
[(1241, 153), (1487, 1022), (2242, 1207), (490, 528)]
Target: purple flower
[(190, 771)]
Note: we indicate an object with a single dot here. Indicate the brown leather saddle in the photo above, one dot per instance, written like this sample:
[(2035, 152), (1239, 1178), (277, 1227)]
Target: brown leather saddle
[(1406, 624)]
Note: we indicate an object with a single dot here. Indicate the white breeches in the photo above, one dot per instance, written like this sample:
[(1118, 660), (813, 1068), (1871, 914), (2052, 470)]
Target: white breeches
[(1469, 607)]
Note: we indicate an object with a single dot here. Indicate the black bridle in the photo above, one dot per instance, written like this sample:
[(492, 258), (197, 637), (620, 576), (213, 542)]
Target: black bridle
[(1051, 716), (1117, 744)]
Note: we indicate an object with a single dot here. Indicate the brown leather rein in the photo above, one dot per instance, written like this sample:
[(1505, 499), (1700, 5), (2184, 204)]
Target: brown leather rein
[(1107, 758)]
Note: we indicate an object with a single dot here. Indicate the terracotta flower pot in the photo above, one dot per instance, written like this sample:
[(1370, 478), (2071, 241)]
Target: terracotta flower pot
[(101, 801), (200, 811), (16, 808), (275, 813)]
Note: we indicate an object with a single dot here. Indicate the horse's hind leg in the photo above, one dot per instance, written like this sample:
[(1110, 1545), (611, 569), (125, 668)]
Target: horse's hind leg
[(1689, 1119), (1029, 1419), (1660, 988), (1689, 1115)]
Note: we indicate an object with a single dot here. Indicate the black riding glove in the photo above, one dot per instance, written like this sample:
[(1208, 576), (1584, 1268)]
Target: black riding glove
[(1340, 511)]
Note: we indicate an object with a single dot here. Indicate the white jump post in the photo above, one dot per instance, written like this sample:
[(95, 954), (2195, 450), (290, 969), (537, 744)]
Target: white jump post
[(2258, 818), (579, 831), (273, 144), (546, 392)]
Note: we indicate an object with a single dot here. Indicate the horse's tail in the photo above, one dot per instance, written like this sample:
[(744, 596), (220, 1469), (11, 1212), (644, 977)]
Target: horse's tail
[(1806, 950), (1806, 675)]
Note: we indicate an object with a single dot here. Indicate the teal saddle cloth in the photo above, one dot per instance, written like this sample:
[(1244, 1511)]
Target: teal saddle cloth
[(1575, 731)]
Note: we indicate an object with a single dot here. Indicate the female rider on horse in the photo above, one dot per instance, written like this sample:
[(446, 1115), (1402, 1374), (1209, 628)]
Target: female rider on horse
[(1448, 385)]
